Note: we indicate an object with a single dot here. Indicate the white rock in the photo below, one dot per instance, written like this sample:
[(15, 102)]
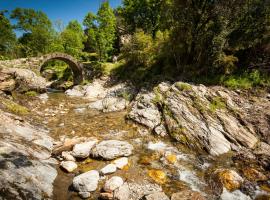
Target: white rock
[(84, 195), (159, 146), (113, 183), (122, 193), (82, 150), (67, 156), (121, 162), (111, 149), (69, 166), (86, 182), (108, 169)]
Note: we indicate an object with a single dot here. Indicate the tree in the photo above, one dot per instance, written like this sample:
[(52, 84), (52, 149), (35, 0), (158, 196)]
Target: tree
[(37, 30), (7, 36), (101, 29), (72, 38), (142, 14)]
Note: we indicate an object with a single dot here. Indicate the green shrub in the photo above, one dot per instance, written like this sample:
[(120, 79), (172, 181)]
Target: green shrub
[(183, 86)]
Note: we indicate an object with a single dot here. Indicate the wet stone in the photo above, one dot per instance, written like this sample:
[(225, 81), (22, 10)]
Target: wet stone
[(113, 183)]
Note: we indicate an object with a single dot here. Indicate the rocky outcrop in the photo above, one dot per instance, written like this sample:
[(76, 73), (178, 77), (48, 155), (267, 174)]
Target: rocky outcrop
[(27, 172), (103, 97), (22, 80), (214, 119)]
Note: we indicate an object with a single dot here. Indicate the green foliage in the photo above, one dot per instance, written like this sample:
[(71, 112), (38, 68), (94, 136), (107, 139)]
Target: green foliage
[(60, 69), (183, 86), (142, 14), (72, 39), (216, 104), (37, 28), (246, 80), (31, 93), (101, 29), (7, 36)]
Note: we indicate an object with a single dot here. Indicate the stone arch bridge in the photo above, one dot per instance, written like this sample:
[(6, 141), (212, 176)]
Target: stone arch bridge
[(36, 63)]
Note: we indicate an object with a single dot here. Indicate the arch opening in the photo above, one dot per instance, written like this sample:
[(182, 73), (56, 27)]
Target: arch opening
[(63, 67)]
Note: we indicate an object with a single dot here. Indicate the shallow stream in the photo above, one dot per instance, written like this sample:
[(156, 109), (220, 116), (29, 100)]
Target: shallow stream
[(67, 117)]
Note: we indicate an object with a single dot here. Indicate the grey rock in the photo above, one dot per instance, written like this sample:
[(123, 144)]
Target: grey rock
[(157, 196), (26, 79), (122, 193), (86, 182), (120, 163), (82, 150), (108, 169), (25, 152), (144, 111), (139, 190), (69, 166), (84, 195), (113, 183), (111, 149)]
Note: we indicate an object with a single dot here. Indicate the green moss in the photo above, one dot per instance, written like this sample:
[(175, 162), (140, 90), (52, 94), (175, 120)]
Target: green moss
[(216, 104), (199, 105), (14, 107), (31, 93), (158, 96), (183, 86), (179, 135)]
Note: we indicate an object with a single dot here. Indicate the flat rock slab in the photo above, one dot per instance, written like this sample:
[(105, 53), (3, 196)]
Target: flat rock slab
[(112, 149)]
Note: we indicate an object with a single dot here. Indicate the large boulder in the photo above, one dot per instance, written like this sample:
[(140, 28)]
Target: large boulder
[(111, 149), (214, 119), (25, 79)]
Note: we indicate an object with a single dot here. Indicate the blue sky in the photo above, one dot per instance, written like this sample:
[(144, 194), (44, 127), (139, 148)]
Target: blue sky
[(64, 10)]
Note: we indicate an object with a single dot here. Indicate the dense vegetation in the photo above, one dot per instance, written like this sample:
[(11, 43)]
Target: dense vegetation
[(205, 41)]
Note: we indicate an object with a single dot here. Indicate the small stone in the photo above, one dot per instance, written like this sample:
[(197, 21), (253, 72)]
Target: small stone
[(161, 130), (171, 158), (158, 176), (86, 182), (187, 195), (106, 196), (67, 156), (122, 193), (157, 196), (230, 179), (121, 162), (69, 166), (84, 195), (113, 183), (108, 169), (82, 150)]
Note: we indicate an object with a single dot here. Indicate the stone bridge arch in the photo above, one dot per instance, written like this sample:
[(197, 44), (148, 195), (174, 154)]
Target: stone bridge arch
[(74, 64)]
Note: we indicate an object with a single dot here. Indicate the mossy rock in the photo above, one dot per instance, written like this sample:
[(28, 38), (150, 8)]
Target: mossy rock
[(14, 107), (183, 86)]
